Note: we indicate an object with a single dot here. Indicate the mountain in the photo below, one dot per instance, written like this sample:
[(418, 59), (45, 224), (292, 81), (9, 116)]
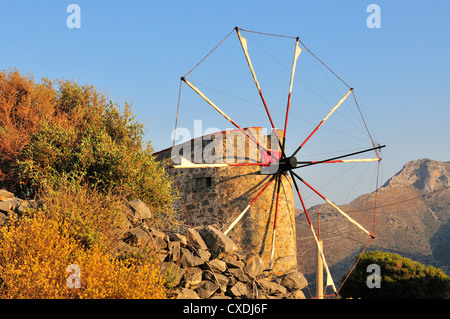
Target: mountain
[(412, 220)]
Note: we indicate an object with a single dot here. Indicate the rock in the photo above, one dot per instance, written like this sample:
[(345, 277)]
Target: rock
[(193, 237), (5, 207), (272, 287), (222, 280), (295, 280), (178, 237), (159, 239), (220, 296), (157, 233), (216, 241), (219, 279), (232, 262), (162, 255), (203, 254), (255, 266), (207, 289), (297, 294), (185, 293), (237, 290), (217, 265), (189, 260), (16, 203), (141, 211), (124, 225), (5, 195), (22, 207), (174, 250), (232, 280), (192, 277), (121, 249), (137, 237), (238, 273), (172, 273), (203, 264)]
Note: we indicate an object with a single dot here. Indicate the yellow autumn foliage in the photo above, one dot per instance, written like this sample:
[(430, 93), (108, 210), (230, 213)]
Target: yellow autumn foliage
[(37, 249), (36, 252)]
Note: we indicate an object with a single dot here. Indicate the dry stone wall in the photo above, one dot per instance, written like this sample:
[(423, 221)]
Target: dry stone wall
[(203, 263)]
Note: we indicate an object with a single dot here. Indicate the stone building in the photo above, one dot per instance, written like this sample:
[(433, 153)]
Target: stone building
[(217, 194)]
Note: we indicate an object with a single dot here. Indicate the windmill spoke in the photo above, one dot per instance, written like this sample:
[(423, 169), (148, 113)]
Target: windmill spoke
[(196, 90), (272, 253), (357, 160), (188, 164), (324, 120), (244, 46), (294, 64), (334, 206), (301, 199), (243, 42), (319, 248), (248, 206), (335, 159)]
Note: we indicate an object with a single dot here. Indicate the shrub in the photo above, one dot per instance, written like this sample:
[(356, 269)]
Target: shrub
[(36, 252), (49, 132), (94, 217), (23, 104), (83, 158), (401, 278)]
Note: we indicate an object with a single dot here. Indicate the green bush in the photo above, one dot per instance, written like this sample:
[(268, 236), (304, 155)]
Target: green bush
[(401, 278)]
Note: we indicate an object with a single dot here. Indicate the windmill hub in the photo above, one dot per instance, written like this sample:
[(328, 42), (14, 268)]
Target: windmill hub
[(288, 163)]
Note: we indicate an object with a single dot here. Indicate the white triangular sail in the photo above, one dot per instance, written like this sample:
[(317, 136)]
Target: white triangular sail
[(330, 281), (184, 163)]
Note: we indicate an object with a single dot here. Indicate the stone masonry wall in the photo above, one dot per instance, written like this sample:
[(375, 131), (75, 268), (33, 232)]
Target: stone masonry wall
[(216, 196)]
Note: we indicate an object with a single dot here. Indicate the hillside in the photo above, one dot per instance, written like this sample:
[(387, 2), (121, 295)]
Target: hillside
[(412, 220)]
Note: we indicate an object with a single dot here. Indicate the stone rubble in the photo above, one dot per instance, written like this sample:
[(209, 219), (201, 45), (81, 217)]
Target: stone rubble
[(203, 263)]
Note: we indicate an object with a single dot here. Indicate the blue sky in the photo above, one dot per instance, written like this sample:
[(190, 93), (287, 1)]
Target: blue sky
[(136, 51)]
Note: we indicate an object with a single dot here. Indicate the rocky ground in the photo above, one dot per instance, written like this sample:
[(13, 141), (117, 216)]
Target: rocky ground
[(203, 263)]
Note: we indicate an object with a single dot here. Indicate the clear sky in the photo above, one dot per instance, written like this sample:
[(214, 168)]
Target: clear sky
[(136, 51)]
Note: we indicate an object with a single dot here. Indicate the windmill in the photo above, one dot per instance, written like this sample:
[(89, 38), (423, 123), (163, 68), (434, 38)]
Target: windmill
[(275, 161)]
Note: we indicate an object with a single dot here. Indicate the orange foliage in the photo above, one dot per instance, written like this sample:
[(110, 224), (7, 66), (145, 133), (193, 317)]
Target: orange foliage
[(19, 116)]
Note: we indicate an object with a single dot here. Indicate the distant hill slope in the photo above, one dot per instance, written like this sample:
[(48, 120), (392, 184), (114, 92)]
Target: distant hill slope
[(412, 220)]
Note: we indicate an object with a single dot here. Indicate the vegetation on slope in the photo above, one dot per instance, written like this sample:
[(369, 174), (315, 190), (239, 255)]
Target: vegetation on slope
[(400, 278), (82, 157)]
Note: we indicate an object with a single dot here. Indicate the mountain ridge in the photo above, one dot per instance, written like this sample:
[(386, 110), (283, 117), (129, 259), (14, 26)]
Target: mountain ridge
[(424, 174)]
